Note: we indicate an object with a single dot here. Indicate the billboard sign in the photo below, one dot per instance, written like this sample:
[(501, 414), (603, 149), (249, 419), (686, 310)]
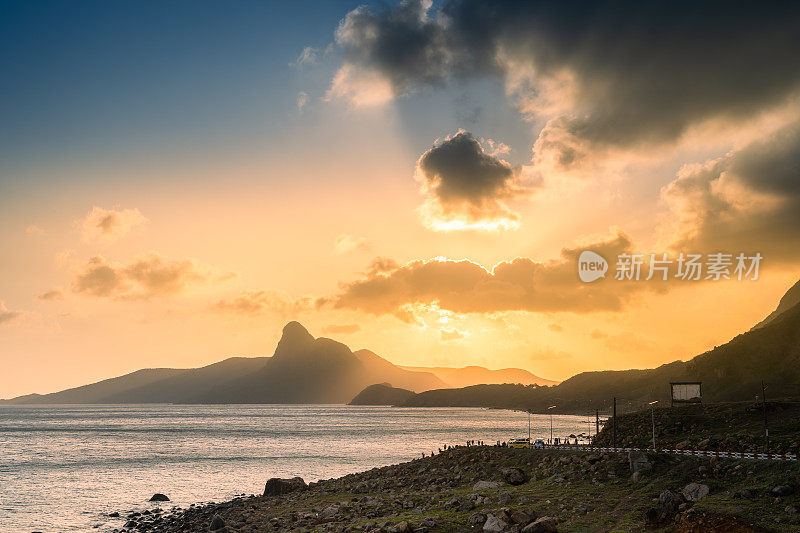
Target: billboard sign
[(685, 392)]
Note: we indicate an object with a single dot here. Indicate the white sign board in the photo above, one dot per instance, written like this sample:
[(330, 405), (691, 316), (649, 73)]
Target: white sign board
[(685, 392)]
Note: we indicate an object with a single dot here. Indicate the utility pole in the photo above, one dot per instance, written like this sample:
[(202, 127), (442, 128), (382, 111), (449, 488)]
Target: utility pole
[(653, 418), (529, 427), (614, 425), (764, 406), (551, 423), (596, 422)]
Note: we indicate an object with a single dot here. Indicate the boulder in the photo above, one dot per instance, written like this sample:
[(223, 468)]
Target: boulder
[(217, 523), (782, 490), (494, 524), (520, 517), (158, 497), (514, 476), (545, 524), (639, 461), (276, 486), (401, 527), (695, 491), (466, 505), (477, 519), (483, 485)]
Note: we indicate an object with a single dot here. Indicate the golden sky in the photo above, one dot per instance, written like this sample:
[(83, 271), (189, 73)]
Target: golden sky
[(393, 202)]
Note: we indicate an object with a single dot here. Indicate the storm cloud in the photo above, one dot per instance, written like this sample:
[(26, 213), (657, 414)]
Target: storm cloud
[(465, 187), (607, 74), (746, 201)]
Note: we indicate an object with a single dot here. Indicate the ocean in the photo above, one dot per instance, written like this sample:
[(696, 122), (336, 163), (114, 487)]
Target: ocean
[(65, 468)]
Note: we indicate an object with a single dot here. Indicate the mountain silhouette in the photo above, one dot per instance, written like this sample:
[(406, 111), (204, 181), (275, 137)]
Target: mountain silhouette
[(730, 372), (303, 369)]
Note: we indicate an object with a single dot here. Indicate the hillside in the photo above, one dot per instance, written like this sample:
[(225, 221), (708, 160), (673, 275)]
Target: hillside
[(726, 426), (731, 372), (476, 375), (381, 394)]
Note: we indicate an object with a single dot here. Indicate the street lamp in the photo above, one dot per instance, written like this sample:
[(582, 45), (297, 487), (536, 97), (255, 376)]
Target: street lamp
[(551, 423), (529, 426), (653, 418)]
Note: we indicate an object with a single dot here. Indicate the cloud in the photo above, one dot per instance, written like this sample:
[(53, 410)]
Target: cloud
[(452, 334), (610, 75), (465, 187), (747, 201), (266, 301), (52, 295), (309, 56), (108, 225), (521, 284), (147, 276), (361, 88), (341, 329), (6, 315), (346, 244), (302, 101), (34, 230)]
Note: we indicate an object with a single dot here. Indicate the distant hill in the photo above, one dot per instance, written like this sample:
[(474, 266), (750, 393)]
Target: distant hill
[(381, 394), (303, 369), (731, 372), (417, 380), (475, 375)]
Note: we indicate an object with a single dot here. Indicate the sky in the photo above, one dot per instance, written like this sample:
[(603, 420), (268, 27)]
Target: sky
[(178, 181)]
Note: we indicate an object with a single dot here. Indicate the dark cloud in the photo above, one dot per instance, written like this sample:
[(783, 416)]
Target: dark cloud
[(149, 275), (747, 201), (613, 73), (52, 295), (7, 315), (466, 186), (109, 225), (518, 285)]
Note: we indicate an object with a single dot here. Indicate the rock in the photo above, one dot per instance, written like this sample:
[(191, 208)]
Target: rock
[(504, 497), (514, 476), (217, 523), (745, 494), (402, 527), (639, 461), (329, 511), (782, 490), (545, 524), (695, 491), (276, 486), (791, 509), (483, 485), (158, 497), (466, 505), (638, 476), (494, 524), (115, 514), (520, 517), (429, 521), (477, 519)]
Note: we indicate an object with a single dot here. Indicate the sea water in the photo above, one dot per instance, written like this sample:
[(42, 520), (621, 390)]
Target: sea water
[(65, 468)]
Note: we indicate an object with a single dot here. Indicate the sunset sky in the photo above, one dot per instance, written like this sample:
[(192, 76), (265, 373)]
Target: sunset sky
[(179, 180)]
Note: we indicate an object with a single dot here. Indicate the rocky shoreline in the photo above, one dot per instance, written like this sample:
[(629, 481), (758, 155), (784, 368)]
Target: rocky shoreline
[(483, 488)]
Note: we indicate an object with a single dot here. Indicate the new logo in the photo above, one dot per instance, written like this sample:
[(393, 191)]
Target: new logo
[(591, 266)]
